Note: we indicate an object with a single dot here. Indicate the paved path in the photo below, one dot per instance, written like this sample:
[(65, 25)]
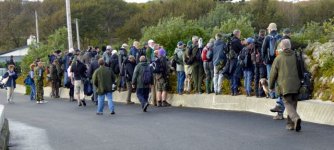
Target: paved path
[(61, 125)]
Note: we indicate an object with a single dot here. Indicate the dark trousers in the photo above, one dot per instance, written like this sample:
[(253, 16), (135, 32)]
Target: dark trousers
[(197, 76), (142, 94), (129, 86), (55, 88), (290, 102), (259, 72), (71, 93)]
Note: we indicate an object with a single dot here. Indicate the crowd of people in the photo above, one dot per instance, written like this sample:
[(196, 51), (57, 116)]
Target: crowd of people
[(266, 61)]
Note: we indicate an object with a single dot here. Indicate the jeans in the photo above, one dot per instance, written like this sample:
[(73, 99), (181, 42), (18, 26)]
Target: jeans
[(181, 76), (234, 81), (66, 78), (32, 91), (217, 79), (100, 104), (142, 94), (268, 66), (279, 102), (248, 78)]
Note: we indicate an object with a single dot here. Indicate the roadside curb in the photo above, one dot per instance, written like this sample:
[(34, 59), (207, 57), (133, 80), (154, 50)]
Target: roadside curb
[(315, 111)]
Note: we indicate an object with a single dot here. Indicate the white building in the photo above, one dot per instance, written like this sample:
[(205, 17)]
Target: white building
[(18, 53)]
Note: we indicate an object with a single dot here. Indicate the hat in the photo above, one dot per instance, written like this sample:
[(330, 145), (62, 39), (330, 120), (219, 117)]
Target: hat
[(113, 52), (250, 40), (272, 26), (109, 47), (71, 50), (150, 41), (286, 31), (125, 45), (162, 52), (180, 43)]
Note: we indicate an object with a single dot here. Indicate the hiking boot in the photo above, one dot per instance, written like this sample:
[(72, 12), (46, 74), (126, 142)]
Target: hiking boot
[(277, 108), (165, 104), (84, 103), (297, 125), (112, 113), (145, 107), (159, 104), (290, 126), (278, 117)]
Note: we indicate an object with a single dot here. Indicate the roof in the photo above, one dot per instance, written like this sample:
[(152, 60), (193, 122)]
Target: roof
[(21, 51)]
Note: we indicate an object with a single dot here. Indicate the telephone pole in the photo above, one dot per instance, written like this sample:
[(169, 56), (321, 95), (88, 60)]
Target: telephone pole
[(78, 36), (69, 24)]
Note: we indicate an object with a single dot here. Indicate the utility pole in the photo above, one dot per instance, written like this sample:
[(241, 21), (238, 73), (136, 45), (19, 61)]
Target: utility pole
[(78, 36), (37, 32), (69, 24)]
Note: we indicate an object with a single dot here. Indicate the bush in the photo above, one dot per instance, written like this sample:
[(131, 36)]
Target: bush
[(171, 30), (243, 24)]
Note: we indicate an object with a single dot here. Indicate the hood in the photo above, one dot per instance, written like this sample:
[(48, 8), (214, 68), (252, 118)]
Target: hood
[(288, 52)]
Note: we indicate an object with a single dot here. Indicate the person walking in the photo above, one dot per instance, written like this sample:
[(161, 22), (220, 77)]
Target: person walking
[(129, 67), (123, 56), (103, 80), (11, 77), (79, 70), (181, 76), (285, 72), (39, 79), (142, 80)]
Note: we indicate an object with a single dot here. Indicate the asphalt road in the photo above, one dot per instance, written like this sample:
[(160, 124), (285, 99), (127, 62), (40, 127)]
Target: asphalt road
[(61, 125)]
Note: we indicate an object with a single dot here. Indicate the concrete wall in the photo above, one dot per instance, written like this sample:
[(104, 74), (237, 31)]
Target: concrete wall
[(315, 111)]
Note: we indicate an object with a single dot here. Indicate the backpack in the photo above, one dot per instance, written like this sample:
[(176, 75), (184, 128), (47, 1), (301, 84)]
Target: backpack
[(306, 88), (158, 66), (88, 88), (273, 42), (147, 75), (209, 55), (28, 80)]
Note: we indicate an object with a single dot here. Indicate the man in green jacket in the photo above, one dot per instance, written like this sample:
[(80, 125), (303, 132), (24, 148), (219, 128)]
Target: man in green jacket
[(140, 75), (285, 73), (104, 80)]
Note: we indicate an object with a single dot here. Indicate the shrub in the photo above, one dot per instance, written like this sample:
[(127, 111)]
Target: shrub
[(171, 30), (243, 24)]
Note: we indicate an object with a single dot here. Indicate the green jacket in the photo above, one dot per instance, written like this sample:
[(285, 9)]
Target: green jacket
[(103, 80), (192, 55), (54, 75), (284, 72), (138, 75)]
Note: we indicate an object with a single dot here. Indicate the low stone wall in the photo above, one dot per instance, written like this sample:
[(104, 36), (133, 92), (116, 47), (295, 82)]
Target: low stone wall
[(316, 111)]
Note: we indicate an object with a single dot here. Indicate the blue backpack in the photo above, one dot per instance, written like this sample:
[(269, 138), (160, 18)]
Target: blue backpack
[(147, 75), (28, 80), (273, 41), (88, 88)]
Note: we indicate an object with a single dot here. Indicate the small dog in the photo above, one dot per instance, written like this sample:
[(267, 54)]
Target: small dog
[(264, 85)]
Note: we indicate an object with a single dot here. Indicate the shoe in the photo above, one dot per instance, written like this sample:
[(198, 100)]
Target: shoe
[(277, 108), (99, 113), (112, 113), (37, 102), (278, 117), (159, 104), (290, 126), (84, 103), (80, 105), (145, 107), (129, 102), (297, 125), (165, 104)]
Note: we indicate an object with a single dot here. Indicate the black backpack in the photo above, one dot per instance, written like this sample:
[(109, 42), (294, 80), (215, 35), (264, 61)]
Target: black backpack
[(306, 88), (158, 66), (147, 75)]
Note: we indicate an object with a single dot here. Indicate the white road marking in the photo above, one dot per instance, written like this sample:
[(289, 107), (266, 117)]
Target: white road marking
[(26, 137)]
